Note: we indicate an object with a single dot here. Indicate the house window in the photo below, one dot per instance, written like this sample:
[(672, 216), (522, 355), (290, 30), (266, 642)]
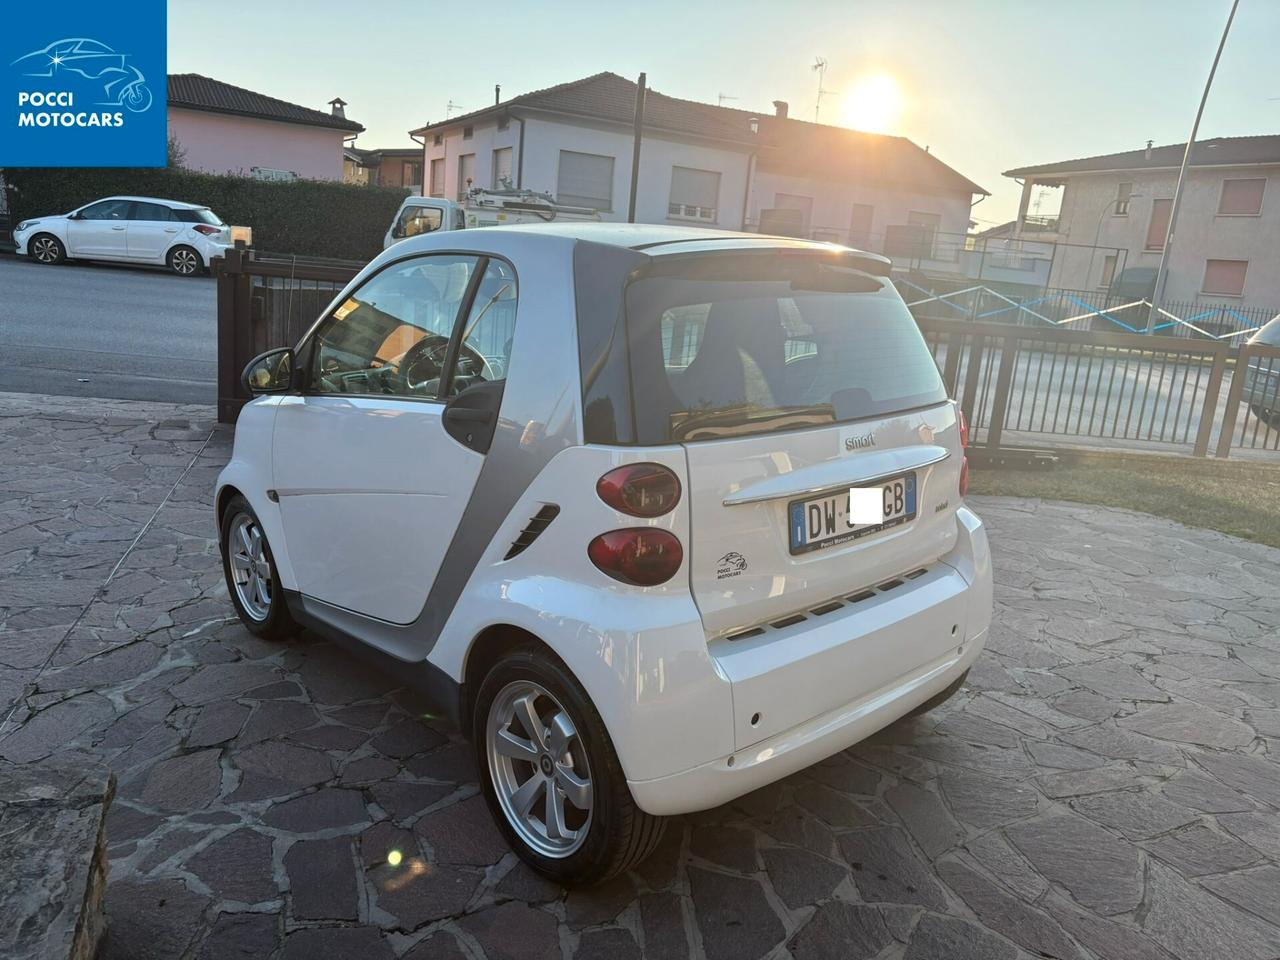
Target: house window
[(585, 180), (1158, 228), (437, 177), (438, 139), (502, 168), (695, 194), (794, 201), (1225, 278), (1123, 192), (926, 225), (1108, 272), (466, 174), (860, 225), (412, 173), (468, 132), (504, 122), (1241, 198)]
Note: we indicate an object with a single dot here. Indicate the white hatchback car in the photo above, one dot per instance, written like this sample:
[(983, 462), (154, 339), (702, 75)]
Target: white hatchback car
[(658, 515), (185, 237)]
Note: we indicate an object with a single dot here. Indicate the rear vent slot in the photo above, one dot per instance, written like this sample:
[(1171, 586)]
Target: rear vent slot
[(889, 585), (916, 573), (826, 608), (864, 595), (790, 621), (743, 635), (539, 522)]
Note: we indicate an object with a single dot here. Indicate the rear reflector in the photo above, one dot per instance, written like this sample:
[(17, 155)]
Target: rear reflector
[(642, 556), (964, 458), (640, 489)]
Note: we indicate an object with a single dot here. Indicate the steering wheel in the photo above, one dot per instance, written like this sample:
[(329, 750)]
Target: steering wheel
[(424, 361)]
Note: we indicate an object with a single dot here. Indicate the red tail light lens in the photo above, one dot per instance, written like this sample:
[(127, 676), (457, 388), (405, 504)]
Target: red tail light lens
[(204, 228), (964, 475), (964, 429), (642, 557), (640, 489), (964, 458)]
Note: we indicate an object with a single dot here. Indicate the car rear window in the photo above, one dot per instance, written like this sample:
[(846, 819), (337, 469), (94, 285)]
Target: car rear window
[(732, 345), (199, 215)]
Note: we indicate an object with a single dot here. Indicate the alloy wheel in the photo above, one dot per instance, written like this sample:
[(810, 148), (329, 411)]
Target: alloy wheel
[(539, 767), (250, 568), (185, 262), (45, 249)]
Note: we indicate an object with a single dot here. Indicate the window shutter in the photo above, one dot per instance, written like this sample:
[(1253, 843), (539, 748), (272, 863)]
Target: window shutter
[(1225, 277), (501, 167), (437, 178), (466, 171), (1159, 225), (585, 180), (695, 188), (1242, 198)]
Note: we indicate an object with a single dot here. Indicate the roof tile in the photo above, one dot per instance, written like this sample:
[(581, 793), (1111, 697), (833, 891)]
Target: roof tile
[(195, 92)]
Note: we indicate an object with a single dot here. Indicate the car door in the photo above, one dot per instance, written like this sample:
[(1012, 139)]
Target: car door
[(152, 227), (370, 484), (100, 230)]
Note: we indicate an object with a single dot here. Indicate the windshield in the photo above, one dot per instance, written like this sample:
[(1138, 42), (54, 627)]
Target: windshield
[(732, 345)]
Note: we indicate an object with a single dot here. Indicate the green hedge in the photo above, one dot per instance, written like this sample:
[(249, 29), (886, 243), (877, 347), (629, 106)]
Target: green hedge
[(311, 218)]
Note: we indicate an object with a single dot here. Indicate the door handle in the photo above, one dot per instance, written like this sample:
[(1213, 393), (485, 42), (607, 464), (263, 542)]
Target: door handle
[(117, 228), (468, 415), (170, 229)]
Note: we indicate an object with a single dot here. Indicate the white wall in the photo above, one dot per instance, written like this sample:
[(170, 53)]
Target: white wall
[(833, 203), (1202, 233), (225, 143), (544, 139)]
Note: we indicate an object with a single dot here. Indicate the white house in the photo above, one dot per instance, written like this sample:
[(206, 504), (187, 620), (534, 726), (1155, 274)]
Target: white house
[(1228, 229), (702, 164)]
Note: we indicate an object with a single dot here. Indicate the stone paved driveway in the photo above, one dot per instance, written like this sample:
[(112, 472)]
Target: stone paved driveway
[(1106, 787)]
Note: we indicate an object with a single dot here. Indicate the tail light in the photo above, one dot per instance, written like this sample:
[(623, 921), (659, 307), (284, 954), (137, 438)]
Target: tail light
[(206, 229), (642, 556), (964, 457), (640, 489)]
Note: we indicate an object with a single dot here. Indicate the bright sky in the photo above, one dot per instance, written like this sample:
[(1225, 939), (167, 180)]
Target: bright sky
[(987, 85)]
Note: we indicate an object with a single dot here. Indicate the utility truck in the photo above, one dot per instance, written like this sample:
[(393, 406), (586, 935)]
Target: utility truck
[(480, 208)]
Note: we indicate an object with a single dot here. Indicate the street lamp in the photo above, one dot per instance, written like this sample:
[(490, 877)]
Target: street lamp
[(1163, 270)]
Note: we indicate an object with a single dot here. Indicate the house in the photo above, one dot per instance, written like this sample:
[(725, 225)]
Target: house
[(1228, 230), (704, 164), (222, 128), (394, 167)]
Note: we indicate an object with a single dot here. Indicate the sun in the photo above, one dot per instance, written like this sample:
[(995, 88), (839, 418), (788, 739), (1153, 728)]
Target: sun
[(873, 104)]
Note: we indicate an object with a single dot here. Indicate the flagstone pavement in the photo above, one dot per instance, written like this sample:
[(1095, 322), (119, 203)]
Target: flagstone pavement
[(1106, 786)]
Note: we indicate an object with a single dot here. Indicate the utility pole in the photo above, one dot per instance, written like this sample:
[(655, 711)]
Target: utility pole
[(635, 149), (1162, 274), (820, 67)]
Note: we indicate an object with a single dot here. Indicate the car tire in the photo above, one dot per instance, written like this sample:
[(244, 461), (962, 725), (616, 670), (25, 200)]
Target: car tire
[(250, 570), (941, 697), (572, 748), (47, 249), (1270, 417), (185, 261)]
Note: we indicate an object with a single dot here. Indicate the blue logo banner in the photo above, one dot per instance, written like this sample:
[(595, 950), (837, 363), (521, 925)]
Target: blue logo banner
[(84, 84)]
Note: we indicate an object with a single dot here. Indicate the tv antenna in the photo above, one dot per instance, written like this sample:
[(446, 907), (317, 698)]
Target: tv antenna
[(723, 97), (450, 107), (820, 68)]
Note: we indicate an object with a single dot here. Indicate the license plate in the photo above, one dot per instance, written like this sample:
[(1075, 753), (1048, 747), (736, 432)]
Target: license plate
[(821, 522)]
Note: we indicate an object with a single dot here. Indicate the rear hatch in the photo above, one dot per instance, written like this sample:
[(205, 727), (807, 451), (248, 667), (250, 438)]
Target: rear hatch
[(791, 378)]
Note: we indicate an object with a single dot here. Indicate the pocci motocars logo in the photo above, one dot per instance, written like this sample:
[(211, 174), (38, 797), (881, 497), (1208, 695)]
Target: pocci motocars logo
[(94, 99)]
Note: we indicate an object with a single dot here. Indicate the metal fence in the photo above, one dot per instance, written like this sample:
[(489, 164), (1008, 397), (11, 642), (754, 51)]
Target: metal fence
[(1045, 387)]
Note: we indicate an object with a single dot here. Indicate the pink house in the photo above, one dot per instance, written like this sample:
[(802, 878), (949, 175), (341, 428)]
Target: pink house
[(227, 129)]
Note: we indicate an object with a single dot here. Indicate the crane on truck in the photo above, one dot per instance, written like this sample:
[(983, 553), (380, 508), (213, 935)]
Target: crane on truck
[(480, 208)]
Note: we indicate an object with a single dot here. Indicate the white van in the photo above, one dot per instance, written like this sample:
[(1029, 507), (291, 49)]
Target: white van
[(482, 208)]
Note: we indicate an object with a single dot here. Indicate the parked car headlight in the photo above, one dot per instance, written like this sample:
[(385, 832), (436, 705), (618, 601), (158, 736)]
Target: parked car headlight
[(25, 224)]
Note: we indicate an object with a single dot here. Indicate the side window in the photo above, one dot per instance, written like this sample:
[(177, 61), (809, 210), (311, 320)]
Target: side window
[(391, 336), (485, 350), (107, 210), (416, 220), (151, 211)]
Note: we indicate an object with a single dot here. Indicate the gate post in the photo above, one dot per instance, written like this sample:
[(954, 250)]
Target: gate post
[(1233, 403), (233, 328), (1210, 408), (1000, 403)]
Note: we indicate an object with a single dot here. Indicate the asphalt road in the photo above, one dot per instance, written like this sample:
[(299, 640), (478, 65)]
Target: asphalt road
[(99, 330)]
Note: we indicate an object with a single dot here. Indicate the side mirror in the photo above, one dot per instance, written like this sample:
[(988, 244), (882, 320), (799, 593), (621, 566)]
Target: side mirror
[(270, 372), (397, 232), (75, 216)]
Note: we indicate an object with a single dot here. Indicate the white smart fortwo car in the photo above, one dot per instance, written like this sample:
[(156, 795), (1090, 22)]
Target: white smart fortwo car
[(658, 515)]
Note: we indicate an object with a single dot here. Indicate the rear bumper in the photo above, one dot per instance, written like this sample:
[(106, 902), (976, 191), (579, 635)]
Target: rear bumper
[(729, 777), (824, 685)]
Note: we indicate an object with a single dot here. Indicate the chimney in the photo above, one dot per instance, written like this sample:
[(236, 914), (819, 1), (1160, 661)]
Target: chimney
[(336, 106), (497, 94), (780, 109), (1148, 150)]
